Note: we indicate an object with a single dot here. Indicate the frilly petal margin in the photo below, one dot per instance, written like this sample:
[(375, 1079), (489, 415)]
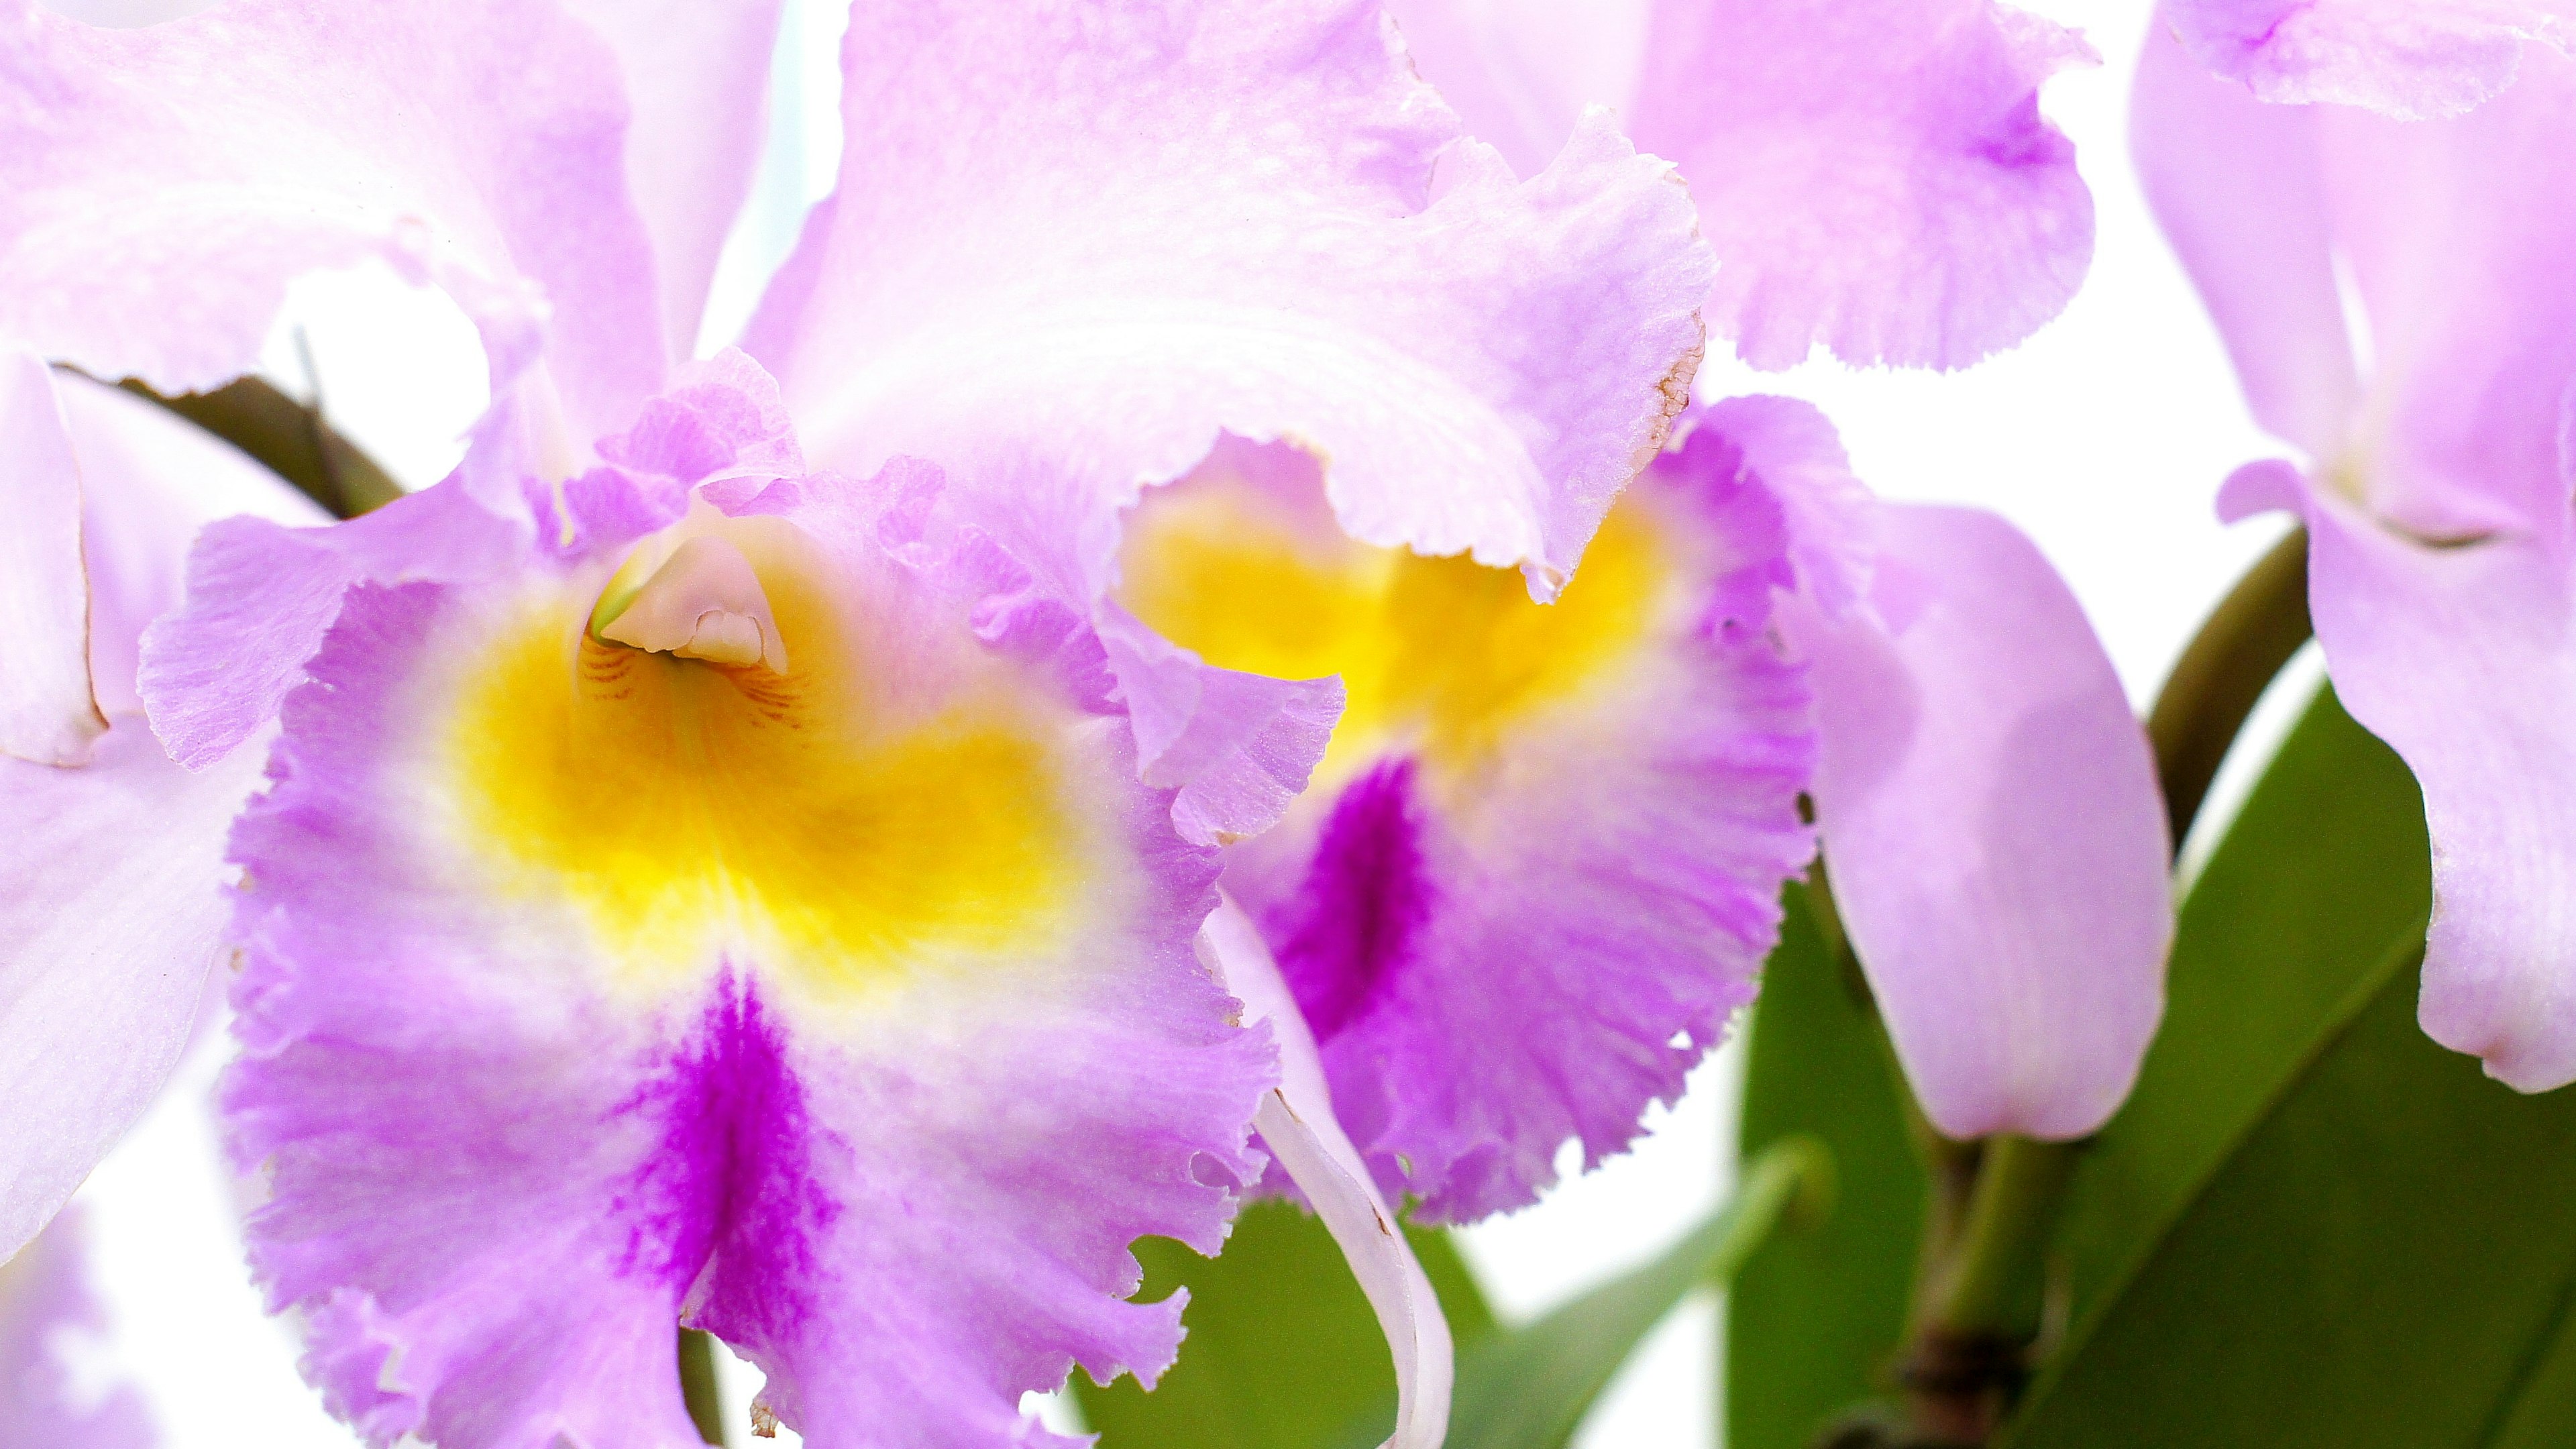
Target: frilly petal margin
[(44, 1404), (1482, 372), (1874, 176), (2463, 658), (261, 595), (499, 1174), (2239, 189), (48, 714), (160, 187), (1505, 945), (1990, 816), (111, 913), (2409, 59), (1297, 1124)]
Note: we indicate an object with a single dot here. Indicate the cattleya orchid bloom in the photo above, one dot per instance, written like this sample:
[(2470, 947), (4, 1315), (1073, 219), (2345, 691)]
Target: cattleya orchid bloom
[(47, 1397), (550, 977), (1538, 867), (2439, 452)]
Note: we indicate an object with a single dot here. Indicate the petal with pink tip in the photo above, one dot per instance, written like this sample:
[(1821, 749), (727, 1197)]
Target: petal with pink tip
[(2411, 59)]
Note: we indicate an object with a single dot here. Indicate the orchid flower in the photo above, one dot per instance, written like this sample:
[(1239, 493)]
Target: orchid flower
[(2439, 450), (1537, 868), (696, 886), (47, 1397)]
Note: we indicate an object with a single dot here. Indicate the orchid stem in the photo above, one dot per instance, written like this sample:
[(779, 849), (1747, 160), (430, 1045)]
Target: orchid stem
[(698, 1385), (1994, 1204), (2223, 671)]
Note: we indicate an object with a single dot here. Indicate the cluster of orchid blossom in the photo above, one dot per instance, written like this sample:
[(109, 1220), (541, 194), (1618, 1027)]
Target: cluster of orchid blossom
[(1200, 644)]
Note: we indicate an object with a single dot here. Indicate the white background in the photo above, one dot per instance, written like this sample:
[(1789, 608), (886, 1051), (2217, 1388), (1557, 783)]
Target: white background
[(2104, 437)]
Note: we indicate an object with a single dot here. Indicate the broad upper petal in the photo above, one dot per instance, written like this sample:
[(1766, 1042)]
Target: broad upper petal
[(2239, 188), (47, 711), (1097, 239), (160, 187), (1875, 177), (111, 908), (2411, 59), (1990, 817)]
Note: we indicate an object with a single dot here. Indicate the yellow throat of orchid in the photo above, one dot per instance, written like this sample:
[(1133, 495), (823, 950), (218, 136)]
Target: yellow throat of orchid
[(1439, 655), (716, 764)]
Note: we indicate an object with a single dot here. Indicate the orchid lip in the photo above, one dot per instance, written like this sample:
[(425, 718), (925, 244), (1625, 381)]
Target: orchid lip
[(699, 600)]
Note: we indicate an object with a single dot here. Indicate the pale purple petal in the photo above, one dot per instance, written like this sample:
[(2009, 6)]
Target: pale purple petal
[(1237, 748), (1875, 176), (150, 481), (2411, 59), (47, 713), (1296, 1122), (160, 187), (2459, 234), (1067, 250), (1991, 821), (697, 81), (48, 1316), (261, 596), (2463, 658), (505, 1164), (2239, 189), (111, 909)]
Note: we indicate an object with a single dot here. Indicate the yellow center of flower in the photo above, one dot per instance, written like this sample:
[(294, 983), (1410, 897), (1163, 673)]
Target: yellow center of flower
[(1442, 655), (690, 801)]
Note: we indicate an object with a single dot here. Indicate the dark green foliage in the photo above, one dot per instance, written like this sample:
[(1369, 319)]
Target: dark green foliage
[(1814, 1317)]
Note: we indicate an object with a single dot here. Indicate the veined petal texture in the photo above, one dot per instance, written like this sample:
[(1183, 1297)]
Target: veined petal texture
[(159, 187), (1874, 176), (1090, 237), (846, 1009), (1540, 863)]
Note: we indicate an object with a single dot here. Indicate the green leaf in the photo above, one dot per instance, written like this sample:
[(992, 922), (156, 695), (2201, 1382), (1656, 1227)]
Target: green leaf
[(2312, 1225), (2322, 870), (2386, 1260), (1530, 1387), (1283, 1352), (1815, 1316)]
